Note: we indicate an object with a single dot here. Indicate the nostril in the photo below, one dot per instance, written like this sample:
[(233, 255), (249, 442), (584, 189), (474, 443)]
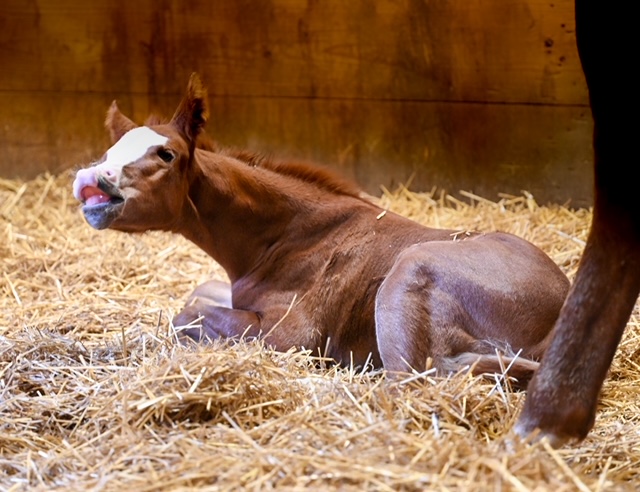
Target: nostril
[(109, 174)]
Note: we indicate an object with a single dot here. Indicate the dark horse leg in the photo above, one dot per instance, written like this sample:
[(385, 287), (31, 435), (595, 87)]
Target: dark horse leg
[(563, 394)]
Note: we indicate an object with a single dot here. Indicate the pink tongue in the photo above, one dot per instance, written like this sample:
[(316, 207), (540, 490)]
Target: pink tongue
[(93, 195), (95, 199)]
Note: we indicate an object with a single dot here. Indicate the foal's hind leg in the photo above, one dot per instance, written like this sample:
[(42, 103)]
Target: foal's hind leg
[(416, 318), (456, 302)]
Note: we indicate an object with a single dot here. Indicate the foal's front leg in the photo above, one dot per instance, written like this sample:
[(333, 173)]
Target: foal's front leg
[(214, 292), (208, 314)]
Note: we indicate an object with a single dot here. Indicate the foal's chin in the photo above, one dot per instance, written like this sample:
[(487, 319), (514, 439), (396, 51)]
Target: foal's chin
[(102, 215)]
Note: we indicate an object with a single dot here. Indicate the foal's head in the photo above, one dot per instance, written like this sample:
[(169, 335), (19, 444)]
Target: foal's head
[(141, 182)]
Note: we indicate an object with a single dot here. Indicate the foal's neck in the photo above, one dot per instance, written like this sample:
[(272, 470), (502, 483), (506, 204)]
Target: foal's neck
[(238, 209)]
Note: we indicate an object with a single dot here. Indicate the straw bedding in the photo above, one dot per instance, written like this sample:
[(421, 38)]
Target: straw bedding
[(95, 393)]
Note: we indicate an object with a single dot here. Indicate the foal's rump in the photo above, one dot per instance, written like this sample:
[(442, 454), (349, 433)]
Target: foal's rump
[(445, 299)]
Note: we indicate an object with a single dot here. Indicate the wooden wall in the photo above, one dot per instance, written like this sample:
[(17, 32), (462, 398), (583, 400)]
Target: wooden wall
[(480, 95)]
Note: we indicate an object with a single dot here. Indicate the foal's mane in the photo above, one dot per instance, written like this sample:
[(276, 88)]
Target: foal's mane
[(321, 177)]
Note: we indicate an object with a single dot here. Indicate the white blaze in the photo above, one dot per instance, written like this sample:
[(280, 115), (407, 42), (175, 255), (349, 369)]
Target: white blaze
[(132, 146)]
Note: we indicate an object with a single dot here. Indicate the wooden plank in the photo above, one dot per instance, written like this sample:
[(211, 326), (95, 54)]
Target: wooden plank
[(481, 95), (53, 132), (430, 50), (487, 149)]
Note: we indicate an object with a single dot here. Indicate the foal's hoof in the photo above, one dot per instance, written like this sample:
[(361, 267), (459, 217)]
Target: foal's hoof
[(189, 326), (190, 322), (196, 334)]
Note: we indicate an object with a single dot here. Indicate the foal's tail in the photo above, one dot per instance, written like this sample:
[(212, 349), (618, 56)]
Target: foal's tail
[(518, 368)]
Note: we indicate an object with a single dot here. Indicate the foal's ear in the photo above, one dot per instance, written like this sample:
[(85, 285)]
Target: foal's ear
[(117, 124), (192, 113)]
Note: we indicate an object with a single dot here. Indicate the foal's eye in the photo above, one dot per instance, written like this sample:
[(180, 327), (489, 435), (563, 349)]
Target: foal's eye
[(166, 155)]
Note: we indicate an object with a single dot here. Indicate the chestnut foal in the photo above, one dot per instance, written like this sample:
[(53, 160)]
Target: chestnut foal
[(313, 264)]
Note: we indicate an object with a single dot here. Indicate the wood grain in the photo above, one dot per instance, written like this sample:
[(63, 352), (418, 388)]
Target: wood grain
[(482, 95)]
